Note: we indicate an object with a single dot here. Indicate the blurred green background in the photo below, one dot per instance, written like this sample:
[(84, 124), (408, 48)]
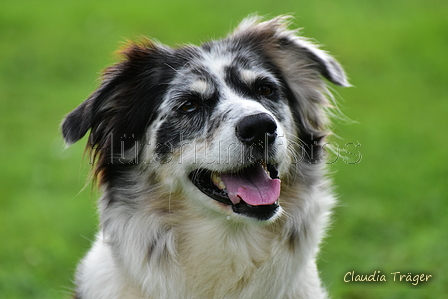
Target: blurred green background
[(393, 207)]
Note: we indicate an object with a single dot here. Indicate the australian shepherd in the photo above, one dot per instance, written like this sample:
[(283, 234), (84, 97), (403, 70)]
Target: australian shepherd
[(211, 163)]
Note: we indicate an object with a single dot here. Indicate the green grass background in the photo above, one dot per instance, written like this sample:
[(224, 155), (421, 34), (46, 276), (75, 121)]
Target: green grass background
[(393, 203)]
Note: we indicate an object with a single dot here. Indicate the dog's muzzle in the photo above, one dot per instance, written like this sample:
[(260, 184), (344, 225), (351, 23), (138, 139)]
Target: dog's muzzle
[(253, 188)]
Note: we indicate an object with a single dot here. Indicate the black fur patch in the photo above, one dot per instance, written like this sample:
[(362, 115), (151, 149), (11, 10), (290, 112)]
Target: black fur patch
[(179, 127), (123, 107)]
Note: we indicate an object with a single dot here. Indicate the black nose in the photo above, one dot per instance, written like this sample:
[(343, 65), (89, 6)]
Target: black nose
[(257, 128)]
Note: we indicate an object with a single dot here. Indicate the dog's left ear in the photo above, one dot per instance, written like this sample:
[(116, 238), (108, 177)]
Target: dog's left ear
[(294, 54), (327, 66)]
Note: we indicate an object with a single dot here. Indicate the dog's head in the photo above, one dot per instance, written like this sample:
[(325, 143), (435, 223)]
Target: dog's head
[(225, 124)]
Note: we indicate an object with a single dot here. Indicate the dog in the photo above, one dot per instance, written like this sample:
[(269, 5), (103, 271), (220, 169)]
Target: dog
[(210, 160)]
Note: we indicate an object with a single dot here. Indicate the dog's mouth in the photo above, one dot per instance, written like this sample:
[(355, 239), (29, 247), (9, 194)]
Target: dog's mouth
[(252, 191)]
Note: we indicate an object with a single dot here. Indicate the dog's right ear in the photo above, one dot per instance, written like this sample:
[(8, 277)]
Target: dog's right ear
[(88, 113), (93, 111), (124, 86), (78, 122)]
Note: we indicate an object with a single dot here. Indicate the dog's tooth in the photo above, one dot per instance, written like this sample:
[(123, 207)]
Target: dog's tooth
[(221, 185), (215, 178), (265, 167), (218, 181)]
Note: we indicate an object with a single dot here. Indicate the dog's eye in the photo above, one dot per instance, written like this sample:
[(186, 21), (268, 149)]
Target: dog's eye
[(264, 90), (189, 106)]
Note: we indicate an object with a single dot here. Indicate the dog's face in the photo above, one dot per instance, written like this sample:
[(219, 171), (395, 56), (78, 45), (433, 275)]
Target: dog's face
[(225, 124), (224, 119)]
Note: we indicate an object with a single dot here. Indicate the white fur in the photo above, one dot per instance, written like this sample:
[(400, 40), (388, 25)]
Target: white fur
[(213, 259)]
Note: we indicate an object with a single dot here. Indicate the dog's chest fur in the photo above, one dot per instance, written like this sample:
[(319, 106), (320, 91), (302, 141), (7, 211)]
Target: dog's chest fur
[(223, 260), (206, 258)]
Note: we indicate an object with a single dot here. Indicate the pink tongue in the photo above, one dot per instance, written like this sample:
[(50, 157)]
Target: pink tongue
[(253, 185)]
